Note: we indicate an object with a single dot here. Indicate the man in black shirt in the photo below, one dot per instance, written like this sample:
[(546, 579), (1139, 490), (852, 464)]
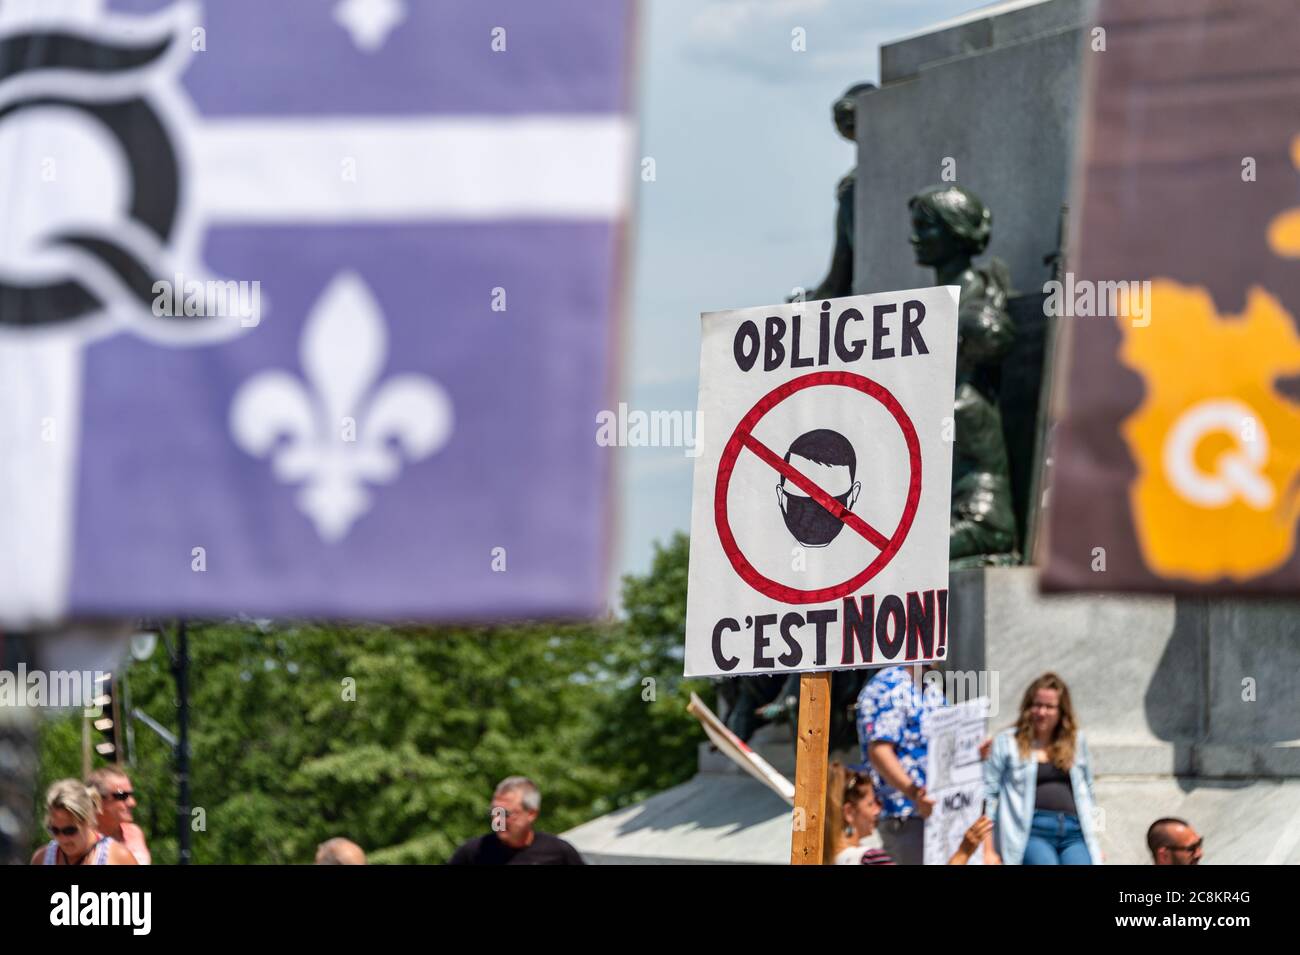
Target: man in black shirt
[(513, 840)]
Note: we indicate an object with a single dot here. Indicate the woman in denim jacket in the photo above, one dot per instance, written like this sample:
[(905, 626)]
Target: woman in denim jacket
[(1038, 784)]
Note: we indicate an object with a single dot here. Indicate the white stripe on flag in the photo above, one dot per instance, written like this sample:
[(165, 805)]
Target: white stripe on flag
[(276, 170), (39, 433)]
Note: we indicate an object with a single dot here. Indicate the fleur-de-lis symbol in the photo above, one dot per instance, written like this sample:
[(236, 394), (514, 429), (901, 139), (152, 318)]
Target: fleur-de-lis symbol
[(370, 21), (338, 431)]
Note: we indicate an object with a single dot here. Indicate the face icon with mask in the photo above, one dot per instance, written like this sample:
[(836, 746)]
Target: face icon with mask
[(826, 458)]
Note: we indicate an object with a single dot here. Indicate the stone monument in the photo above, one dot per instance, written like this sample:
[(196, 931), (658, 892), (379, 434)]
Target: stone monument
[(1190, 705)]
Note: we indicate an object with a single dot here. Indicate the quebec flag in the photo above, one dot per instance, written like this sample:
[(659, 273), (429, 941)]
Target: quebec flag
[(308, 307)]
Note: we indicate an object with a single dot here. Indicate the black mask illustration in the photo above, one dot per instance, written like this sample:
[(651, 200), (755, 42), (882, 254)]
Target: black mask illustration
[(828, 459), (810, 523)]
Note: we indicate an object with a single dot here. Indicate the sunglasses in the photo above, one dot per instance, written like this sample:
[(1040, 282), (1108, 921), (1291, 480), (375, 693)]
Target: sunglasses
[(122, 795), (1192, 848), (63, 831)]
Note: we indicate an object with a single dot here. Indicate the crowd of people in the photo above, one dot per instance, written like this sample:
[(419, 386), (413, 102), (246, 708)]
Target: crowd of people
[(513, 839), (1039, 801), (90, 822)]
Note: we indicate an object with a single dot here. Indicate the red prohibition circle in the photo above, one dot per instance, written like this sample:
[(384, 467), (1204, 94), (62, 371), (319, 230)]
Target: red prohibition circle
[(727, 464)]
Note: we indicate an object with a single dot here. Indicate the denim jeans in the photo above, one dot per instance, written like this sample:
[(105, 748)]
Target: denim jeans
[(1056, 839)]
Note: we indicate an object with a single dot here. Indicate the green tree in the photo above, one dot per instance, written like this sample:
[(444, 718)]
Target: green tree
[(653, 741), (395, 736)]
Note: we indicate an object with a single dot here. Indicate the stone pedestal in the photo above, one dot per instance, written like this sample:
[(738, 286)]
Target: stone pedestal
[(995, 93), (1162, 686), (1181, 687)]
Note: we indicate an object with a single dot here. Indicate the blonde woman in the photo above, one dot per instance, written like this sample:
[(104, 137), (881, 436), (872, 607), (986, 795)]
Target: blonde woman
[(1038, 783), (70, 812)]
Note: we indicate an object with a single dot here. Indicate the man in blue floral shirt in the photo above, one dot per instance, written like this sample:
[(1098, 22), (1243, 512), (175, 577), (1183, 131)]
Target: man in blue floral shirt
[(890, 709)]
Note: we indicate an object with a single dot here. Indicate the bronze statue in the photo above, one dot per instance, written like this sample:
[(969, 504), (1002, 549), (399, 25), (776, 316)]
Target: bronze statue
[(950, 226), (839, 280)]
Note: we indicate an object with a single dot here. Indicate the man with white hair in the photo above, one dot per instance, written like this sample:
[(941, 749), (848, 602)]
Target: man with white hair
[(513, 840), (117, 797)]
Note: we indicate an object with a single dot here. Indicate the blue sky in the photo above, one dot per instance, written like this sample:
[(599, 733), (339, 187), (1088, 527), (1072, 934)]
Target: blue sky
[(742, 206)]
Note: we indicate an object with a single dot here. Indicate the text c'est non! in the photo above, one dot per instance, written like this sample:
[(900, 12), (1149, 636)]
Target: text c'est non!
[(873, 630)]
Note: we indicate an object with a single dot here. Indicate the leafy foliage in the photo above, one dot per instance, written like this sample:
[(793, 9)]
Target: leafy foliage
[(282, 758)]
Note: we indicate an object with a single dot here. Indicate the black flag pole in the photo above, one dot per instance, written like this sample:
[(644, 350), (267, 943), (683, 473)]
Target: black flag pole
[(181, 671)]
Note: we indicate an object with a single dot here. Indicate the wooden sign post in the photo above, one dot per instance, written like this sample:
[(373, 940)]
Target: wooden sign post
[(868, 586), (811, 754)]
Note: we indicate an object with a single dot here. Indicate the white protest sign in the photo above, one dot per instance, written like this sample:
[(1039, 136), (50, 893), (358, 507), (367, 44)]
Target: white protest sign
[(738, 751), (819, 527), (954, 776)]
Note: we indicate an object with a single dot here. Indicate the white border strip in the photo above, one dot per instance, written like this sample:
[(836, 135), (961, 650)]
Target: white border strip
[(299, 170)]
